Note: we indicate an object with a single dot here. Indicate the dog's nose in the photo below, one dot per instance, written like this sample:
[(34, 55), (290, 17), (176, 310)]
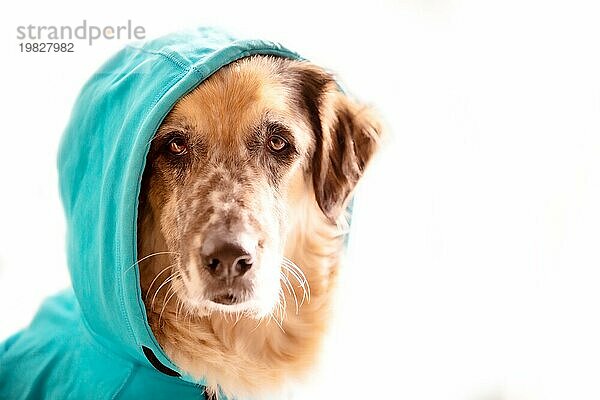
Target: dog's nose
[(227, 260)]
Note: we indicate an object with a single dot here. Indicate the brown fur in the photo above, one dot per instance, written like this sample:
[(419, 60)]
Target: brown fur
[(296, 204)]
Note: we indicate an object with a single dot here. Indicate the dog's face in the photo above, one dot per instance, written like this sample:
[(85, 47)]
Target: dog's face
[(233, 164)]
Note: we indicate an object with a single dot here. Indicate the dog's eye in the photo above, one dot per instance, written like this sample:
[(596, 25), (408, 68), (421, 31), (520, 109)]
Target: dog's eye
[(277, 143), (177, 146)]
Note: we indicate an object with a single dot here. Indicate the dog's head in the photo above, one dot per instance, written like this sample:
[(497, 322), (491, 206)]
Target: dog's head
[(233, 163)]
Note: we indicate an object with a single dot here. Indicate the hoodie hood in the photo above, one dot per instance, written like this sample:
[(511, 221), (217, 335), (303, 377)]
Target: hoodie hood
[(101, 162)]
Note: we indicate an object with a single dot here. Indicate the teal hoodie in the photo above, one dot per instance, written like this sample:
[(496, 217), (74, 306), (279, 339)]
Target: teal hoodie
[(93, 341)]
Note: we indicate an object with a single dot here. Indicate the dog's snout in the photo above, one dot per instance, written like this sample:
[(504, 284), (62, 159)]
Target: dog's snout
[(227, 260)]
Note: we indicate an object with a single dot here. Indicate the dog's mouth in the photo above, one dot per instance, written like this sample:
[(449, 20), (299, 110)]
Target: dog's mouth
[(231, 300), (226, 299), (228, 296)]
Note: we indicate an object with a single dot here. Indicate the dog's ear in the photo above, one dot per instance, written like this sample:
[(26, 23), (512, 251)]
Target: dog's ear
[(346, 137)]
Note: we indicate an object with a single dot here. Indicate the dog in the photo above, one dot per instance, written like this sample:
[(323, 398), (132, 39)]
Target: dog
[(241, 221)]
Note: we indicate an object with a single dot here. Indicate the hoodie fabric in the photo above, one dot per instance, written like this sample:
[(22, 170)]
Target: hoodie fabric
[(93, 340)]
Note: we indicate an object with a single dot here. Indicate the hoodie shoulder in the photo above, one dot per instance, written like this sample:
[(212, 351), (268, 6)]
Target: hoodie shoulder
[(54, 358)]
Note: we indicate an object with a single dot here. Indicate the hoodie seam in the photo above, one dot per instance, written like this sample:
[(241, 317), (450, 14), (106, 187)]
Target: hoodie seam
[(168, 56), (89, 337), (267, 50)]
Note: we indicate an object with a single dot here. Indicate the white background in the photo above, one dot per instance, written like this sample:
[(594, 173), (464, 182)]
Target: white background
[(473, 270)]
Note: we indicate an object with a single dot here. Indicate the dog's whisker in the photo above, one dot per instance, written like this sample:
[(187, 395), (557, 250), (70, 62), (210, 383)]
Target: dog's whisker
[(290, 289), (260, 320), (238, 316), (302, 285), (178, 308), (300, 277), (293, 266), (158, 253), (280, 310), (169, 279), (169, 290), (188, 313), (155, 278), (273, 318), (283, 301), (168, 295), (166, 302), (288, 285)]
